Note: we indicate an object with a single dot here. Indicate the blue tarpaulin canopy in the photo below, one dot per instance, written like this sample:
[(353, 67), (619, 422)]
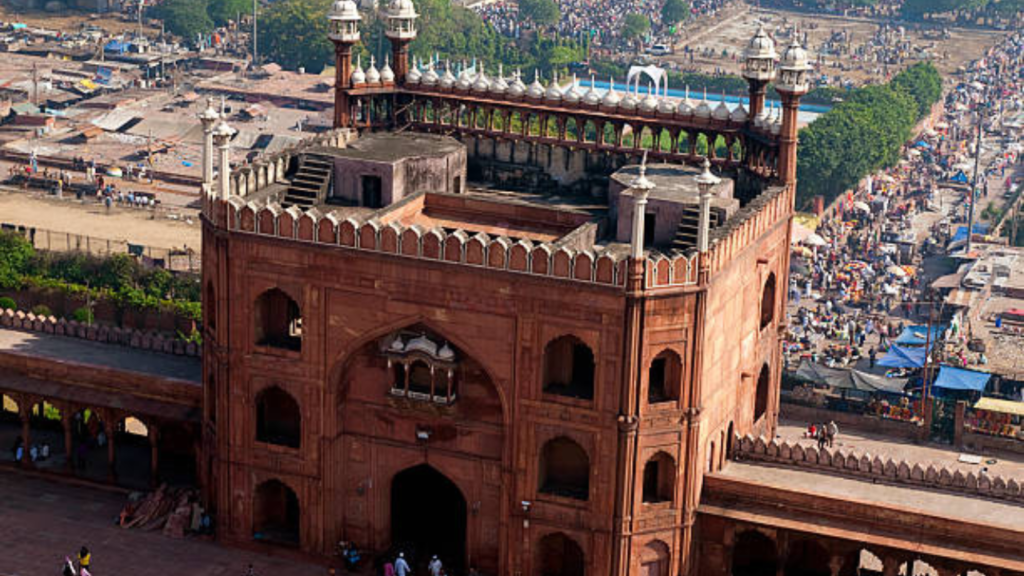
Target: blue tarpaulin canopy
[(116, 46), (922, 144), (960, 177), (903, 357), (961, 232), (952, 378), (918, 335)]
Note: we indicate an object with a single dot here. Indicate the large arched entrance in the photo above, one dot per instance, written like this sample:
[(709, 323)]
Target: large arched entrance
[(428, 517)]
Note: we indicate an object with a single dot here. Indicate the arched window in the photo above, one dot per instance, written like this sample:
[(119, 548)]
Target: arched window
[(654, 559), (278, 419), (712, 456), (565, 469), (559, 555), (569, 368), (278, 321), (754, 554), (419, 377), (276, 513), (761, 399), (659, 478), (663, 377), (768, 301)]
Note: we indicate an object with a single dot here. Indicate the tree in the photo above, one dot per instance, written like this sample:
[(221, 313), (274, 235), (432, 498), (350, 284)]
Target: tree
[(635, 26), (293, 33), (15, 257), (674, 11), (184, 18), (540, 12), (220, 11)]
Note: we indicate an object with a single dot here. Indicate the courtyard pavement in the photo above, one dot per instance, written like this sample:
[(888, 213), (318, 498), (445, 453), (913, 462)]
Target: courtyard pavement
[(44, 520)]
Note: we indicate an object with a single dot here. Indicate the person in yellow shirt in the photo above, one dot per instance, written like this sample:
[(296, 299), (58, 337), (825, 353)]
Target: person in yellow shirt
[(84, 558)]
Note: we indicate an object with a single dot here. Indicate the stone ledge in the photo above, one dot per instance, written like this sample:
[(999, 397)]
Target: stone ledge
[(850, 463), (155, 341)]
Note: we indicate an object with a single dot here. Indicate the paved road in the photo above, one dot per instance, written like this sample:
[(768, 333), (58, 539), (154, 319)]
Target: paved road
[(43, 521)]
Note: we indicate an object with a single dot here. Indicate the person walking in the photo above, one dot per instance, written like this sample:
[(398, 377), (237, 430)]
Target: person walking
[(401, 566), (434, 566), (84, 559), (833, 431)]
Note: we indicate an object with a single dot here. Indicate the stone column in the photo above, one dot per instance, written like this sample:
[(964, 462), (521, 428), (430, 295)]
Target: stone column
[(208, 117), (154, 456), (108, 428), (66, 421), (788, 138), (26, 433), (222, 136)]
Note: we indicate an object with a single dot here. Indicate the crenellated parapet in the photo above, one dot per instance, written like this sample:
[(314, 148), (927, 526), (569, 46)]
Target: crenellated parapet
[(752, 221), (874, 468), (596, 264)]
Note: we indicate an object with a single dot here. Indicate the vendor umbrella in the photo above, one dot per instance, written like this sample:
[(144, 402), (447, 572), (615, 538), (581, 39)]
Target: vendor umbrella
[(815, 240), (896, 271), (862, 206)]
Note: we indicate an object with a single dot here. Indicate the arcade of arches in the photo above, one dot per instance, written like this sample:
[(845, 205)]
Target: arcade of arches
[(96, 443), (770, 551)]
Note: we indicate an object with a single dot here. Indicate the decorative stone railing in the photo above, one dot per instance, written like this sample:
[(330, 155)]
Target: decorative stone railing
[(874, 468), (154, 341)]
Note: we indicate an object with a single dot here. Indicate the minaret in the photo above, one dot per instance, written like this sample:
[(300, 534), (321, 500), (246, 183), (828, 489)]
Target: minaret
[(641, 188), (222, 135), (759, 68), (401, 30), (343, 19), (705, 182), (792, 84), (208, 117)]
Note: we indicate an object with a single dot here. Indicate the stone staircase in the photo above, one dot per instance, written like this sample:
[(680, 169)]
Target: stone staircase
[(686, 233), (309, 184)]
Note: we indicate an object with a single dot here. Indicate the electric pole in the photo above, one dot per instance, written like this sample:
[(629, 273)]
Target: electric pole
[(255, 49), (35, 84), (977, 179)]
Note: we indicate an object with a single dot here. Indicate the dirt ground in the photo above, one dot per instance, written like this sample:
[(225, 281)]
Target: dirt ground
[(70, 20), (134, 225), (734, 28)]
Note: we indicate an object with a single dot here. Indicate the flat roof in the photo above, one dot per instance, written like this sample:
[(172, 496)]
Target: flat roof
[(389, 147), (81, 351)]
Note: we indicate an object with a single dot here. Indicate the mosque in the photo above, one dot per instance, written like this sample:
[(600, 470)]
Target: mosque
[(507, 323)]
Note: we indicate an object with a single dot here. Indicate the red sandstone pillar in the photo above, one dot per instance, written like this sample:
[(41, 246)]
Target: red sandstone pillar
[(788, 138), (66, 422), (756, 92), (154, 457), (111, 470), (26, 435), (342, 77), (628, 419)]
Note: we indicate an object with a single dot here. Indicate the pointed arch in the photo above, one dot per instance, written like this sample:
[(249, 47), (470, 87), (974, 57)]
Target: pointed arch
[(589, 131), (559, 555), (761, 395), (754, 554), (659, 478), (278, 418), (276, 513), (564, 469), (768, 301), (278, 320), (569, 368), (664, 377)]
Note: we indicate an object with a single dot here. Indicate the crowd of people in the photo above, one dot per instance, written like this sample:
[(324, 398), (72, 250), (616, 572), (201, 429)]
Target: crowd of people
[(859, 279), (602, 21)]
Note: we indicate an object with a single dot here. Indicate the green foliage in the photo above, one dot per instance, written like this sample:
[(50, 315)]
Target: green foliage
[(922, 82), (8, 303), (674, 11), (635, 26), (862, 134), (221, 11), (42, 310), (918, 8), (293, 33), (540, 12), (15, 255), (83, 315), (195, 337), (184, 18)]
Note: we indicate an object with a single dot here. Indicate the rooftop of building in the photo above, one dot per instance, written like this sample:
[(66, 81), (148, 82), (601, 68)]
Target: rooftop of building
[(86, 353), (391, 147)]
